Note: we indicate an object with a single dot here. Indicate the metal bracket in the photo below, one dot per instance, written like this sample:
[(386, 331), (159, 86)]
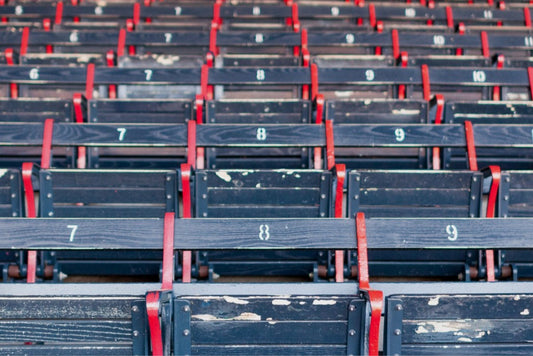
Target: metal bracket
[(182, 327), (140, 330), (393, 326), (355, 330)]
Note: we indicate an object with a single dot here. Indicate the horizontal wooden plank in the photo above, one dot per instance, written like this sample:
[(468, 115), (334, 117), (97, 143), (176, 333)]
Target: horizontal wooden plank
[(317, 350), (102, 348), (264, 332), (94, 178), (278, 135), (322, 233), (470, 349), (274, 309), (109, 211), (110, 195), (48, 331), (442, 306), (66, 308), (264, 196), (416, 197), (282, 178), (414, 179), (467, 331), (265, 211)]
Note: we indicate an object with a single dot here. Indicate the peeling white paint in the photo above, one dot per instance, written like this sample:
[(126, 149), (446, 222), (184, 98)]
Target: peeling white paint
[(234, 300), (480, 334), (524, 312), (405, 112), (242, 316), (3, 172), (441, 327), (303, 303), (516, 297), (434, 301), (324, 302), (167, 60), (281, 302), (421, 330), (258, 185), (270, 321), (464, 339), (224, 176)]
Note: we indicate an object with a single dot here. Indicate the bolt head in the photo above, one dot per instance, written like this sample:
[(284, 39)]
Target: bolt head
[(186, 332), (352, 308), (351, 332), (186, 309), (135, 333), (398, 307), (134, 308), (397, 332)]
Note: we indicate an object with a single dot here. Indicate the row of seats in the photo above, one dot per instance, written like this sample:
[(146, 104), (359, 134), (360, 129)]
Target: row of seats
[(266, 194), (310, 146), (29, 42), (400, 115), (325, 15)]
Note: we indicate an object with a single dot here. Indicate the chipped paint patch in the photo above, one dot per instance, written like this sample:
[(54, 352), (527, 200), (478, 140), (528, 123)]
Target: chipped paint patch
[(224, 176), (524, 312), (258, 185), (303, 303), (167, 60), (324, 302), (464, 339), (281, 302), (405, 112), (421, 330), (242, 316), (516, 297), (270, 321), (440, 327), (234, 300), (434, 301), (3, 172)]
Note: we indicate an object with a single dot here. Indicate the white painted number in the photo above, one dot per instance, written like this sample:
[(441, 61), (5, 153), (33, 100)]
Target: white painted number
[(73, 37), (400, 135), (479, 76), (259, 38), (350, 38), (121, 133), (261, 134), (98, 10), (451, 230), (148, 73), (439, 40), (528, 41), (256, 10), (19, 10), (410, 12), (264, 233), (487, 14), (177, 10), (168, 37), (34, 73), (260, 75), (370, 75), (335, 11), (73, 229)]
